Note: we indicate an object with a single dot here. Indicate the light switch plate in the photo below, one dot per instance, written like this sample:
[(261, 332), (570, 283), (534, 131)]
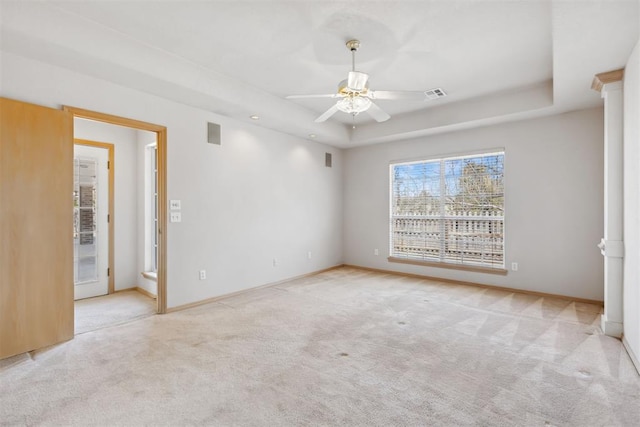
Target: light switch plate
[(174, 205), (175, 217)]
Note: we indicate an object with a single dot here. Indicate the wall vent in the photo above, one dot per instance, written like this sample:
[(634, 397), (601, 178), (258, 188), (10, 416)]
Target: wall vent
[(327, 159), (434, 93), (213, 134)]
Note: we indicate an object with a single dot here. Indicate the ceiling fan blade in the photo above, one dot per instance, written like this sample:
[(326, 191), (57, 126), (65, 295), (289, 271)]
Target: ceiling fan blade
[(396, 95), (328, 95), (330, 112), (378, 113)]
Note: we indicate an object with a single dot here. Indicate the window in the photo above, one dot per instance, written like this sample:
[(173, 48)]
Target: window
[(449, 211), (151, 208), (85, 224)]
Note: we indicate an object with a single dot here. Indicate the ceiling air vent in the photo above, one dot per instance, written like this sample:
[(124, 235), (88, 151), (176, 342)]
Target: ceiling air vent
[(434, 93)]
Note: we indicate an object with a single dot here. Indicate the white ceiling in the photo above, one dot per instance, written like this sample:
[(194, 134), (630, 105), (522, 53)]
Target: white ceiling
[(497, 60)]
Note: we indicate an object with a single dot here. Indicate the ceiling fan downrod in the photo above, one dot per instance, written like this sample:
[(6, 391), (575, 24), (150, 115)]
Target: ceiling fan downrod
[(356, 83), (353, 46)]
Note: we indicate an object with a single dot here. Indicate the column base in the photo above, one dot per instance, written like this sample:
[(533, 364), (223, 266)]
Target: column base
[(611, 328)]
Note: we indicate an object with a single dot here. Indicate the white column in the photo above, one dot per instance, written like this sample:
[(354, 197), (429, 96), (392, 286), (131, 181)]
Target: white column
[(612, 245)]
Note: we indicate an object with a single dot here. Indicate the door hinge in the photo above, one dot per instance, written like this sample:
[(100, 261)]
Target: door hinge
[(108, 217), (108, 164), (108, 272)]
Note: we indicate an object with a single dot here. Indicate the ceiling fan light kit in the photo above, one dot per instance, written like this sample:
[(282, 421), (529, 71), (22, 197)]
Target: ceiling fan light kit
[(355, 97), (353, 104)]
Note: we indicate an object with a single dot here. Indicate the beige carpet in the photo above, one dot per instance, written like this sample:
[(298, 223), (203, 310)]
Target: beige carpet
[(109, 310), (346, 347)]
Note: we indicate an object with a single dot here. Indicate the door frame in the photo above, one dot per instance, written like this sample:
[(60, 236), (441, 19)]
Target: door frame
[(112, 218), (161, 141)]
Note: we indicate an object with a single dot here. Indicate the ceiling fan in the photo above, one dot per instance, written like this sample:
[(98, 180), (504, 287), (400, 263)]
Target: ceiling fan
[(354, 96)]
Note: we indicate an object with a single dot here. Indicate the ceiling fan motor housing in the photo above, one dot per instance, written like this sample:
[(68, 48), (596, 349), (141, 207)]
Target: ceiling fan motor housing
[(354, 87)]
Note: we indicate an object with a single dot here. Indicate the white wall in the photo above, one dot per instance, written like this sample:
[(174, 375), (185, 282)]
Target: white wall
[(125, 194), (553, 201), (631, 292), (261, 194)]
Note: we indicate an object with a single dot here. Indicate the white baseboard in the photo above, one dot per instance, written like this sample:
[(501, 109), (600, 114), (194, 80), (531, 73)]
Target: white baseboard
[(219, 297), (146, 292), (613, 329), (632, 355)]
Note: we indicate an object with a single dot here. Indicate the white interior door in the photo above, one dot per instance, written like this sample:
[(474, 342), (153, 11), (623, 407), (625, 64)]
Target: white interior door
[(90, 221)]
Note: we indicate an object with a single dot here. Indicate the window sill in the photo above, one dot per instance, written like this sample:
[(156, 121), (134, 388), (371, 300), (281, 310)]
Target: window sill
[(477, 269), (151, 275)]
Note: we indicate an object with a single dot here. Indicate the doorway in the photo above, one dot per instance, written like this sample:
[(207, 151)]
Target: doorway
[(159, 133), (36, 159)]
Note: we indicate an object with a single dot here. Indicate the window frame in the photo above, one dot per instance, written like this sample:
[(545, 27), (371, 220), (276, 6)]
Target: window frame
[(151, 210), (441, 263)]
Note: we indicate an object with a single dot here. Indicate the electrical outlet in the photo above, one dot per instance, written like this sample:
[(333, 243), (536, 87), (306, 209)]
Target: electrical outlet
[(175, 217), (376, 252), (275, 262), (203, 274), (514, 266), (174, 205), (309, 255)]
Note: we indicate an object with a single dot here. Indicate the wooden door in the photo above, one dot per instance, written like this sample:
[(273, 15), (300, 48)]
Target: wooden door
[(36, 227)]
